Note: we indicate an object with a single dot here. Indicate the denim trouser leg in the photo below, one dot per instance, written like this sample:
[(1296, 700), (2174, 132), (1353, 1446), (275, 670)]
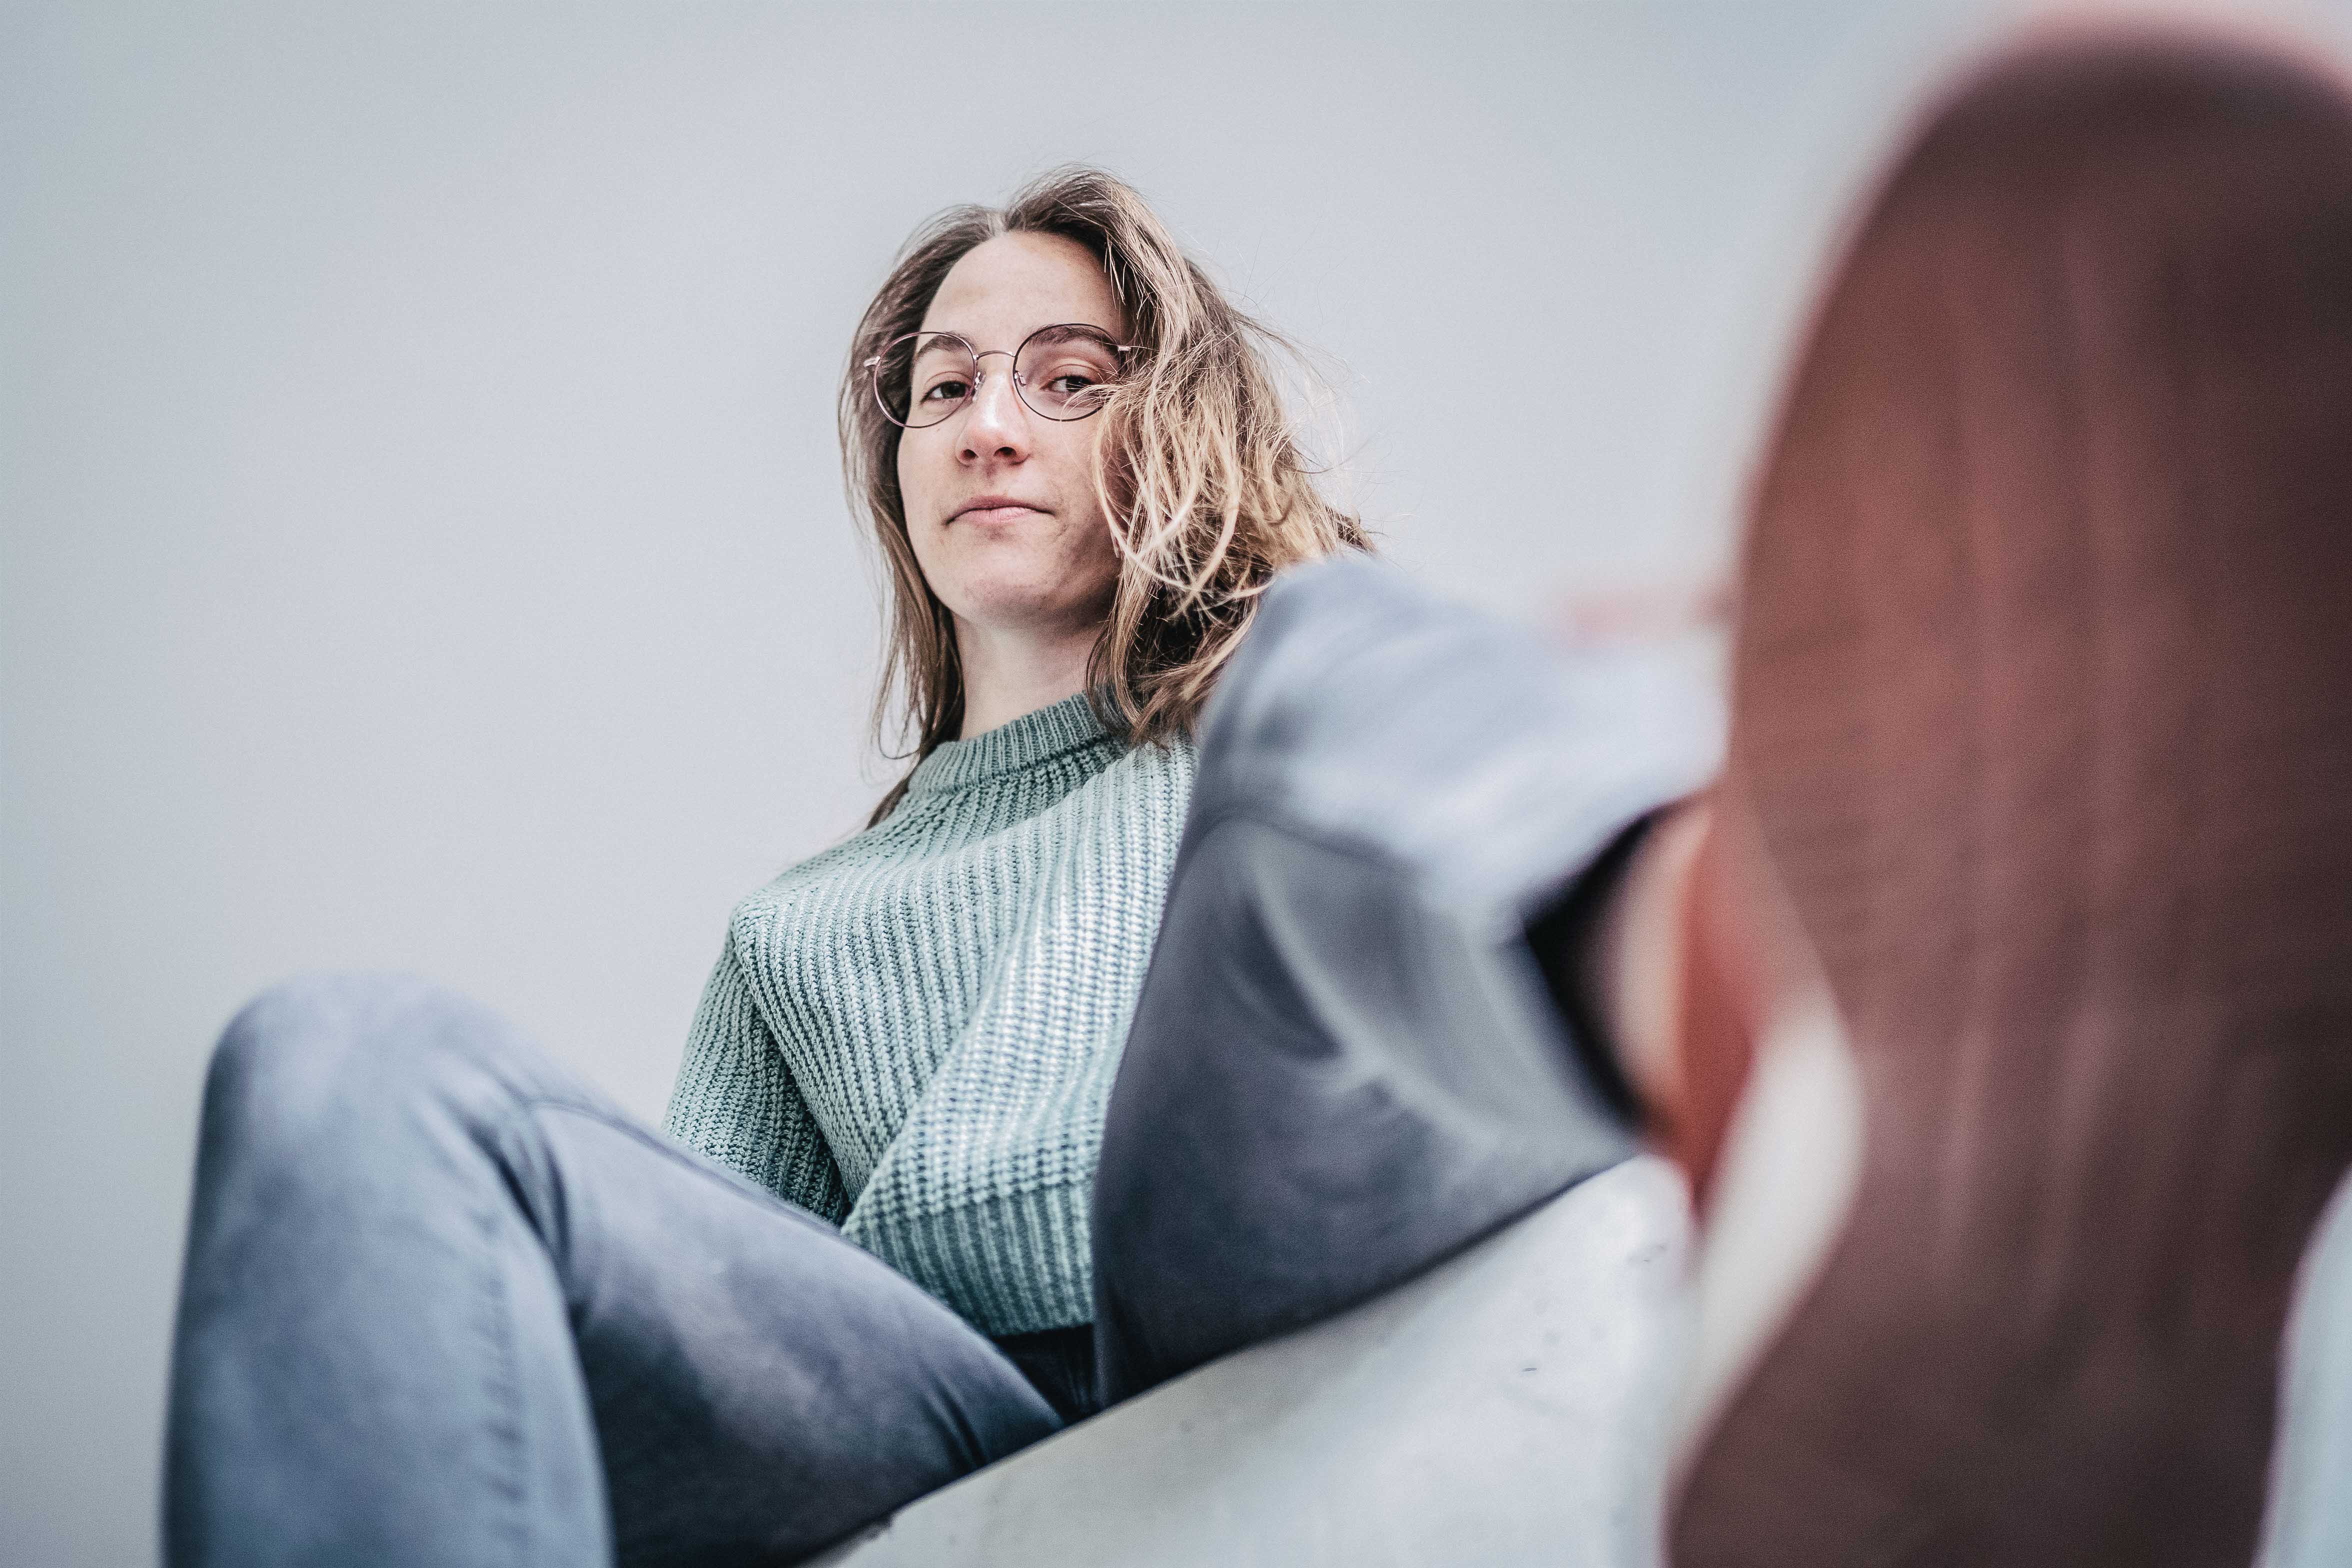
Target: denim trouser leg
[(1345, 1062), (444, 1306)]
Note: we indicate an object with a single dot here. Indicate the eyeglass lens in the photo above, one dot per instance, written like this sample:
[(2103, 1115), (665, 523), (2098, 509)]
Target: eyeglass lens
[(1060, 373)]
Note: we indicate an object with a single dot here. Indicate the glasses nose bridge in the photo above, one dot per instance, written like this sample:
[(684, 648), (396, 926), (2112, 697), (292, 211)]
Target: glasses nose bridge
[(980, 376)]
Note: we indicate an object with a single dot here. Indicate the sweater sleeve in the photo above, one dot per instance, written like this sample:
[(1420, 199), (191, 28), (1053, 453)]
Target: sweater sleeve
[(735, 1101)]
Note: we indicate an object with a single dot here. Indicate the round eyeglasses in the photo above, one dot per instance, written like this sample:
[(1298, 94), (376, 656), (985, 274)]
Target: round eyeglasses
[(1063, 372)]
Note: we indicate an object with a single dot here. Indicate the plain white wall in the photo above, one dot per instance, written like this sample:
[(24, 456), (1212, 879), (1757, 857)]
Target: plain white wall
[(424, 543)]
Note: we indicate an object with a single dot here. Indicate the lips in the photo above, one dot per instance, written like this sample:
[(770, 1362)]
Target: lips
[(995, 508)]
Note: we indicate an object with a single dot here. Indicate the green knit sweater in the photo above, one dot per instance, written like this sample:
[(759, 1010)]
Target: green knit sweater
[(913, 1034)]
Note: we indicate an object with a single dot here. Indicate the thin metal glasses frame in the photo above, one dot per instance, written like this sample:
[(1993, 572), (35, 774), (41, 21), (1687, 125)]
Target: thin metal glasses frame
[(872, 366)]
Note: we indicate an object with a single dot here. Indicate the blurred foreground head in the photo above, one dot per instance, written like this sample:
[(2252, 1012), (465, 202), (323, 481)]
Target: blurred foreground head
[(2042, 705)]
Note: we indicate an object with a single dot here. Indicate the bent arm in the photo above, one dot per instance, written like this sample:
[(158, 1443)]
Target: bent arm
[(735, 1101)]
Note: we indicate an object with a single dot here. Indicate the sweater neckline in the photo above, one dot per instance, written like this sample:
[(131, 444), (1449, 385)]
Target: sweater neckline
[(1047, 732)]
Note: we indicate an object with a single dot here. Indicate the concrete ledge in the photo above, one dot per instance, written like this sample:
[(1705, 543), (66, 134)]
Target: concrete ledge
[(1508, 1407)]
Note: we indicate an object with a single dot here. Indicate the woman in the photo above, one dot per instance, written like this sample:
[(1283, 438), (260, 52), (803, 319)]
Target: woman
[(441, 1301), (913, 1034)]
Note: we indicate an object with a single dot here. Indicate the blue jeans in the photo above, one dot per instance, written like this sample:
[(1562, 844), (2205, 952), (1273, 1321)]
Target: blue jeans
[(444, 1305)]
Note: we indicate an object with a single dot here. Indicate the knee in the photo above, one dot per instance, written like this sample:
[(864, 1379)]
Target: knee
[(326, 1055)]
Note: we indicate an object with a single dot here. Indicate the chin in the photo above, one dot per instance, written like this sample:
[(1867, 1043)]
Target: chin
[(1004, 583), (1018, 601)]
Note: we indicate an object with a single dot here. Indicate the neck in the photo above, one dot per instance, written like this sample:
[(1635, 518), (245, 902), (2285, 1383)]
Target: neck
[(1010, 672)]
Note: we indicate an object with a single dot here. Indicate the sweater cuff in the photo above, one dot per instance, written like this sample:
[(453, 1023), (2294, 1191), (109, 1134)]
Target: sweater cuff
[(1011, 1264)]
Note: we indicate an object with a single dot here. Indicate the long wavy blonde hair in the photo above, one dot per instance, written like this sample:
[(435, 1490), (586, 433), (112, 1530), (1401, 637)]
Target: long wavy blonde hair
[(1200, 470)]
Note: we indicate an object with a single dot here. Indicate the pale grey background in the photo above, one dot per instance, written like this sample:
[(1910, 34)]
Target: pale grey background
[(424, 546)]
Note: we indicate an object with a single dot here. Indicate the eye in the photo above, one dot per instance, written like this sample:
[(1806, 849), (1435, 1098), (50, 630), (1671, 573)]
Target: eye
[(949, 390)]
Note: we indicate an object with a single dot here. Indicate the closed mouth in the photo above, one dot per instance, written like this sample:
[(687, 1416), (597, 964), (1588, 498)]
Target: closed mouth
[(993, 508)]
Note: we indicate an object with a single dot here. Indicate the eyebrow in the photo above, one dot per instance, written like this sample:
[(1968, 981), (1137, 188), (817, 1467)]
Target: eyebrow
[(1110, 332)]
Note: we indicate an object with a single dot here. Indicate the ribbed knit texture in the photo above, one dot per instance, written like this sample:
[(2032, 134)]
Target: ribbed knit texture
[(914, 1033)]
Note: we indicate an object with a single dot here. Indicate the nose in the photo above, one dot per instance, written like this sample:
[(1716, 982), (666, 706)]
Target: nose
[(996, 426)]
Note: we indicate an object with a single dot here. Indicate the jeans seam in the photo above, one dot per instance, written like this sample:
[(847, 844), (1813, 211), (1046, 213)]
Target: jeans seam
[(507, 1428)]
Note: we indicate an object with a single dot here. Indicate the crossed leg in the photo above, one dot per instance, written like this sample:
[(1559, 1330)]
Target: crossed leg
[(444, 1305)]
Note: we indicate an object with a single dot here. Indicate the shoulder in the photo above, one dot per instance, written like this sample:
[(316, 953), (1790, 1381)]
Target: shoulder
[(1173, 757), (1153, 769), (1140, 800), (860, 849)]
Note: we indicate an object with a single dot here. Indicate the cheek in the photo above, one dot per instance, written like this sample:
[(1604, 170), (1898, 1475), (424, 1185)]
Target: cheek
[(918, 480), (1090, 556), (1074, 484), (921, 499), (1096, 552)]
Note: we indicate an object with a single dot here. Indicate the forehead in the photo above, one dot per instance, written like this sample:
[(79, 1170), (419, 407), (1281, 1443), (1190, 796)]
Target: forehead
[(1009, 286)]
